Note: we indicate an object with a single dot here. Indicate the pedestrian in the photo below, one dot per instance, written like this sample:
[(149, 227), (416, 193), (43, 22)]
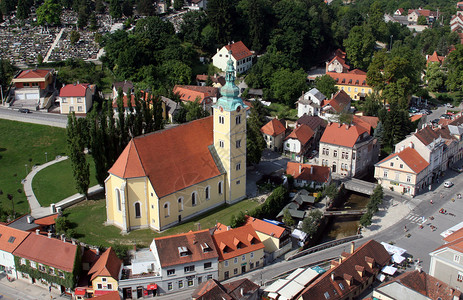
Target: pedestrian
[(430, 201)]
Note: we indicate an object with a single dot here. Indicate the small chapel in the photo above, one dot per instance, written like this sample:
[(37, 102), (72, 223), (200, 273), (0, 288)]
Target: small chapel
[(170, 176)]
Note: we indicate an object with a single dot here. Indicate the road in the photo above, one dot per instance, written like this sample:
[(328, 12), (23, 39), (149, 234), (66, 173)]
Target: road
[(36, 117)]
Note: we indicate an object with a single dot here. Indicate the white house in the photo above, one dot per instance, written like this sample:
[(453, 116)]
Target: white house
[(298, 142), (197, 4), (77, 97), (10, 239), (240, 55), (310, 103)]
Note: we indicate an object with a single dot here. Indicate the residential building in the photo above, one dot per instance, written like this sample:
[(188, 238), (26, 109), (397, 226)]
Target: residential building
[(217, 81), (315, 123), (240, 250), (197, 4), (58, 259), (33, 89), (172, 108), (241, 289), (276, 239), (298, 207), (238, 53), (447, 260), (298, 143), (367, 122), (105, 273), (274, 132), (354, 83), (456, 22), (434, 58), (349, 150), (415, 285), (338, 104), (404, 172), (312, 176), (414, 14), (338, 63), (144, 97), (10, 239), (310, 103), (349, 276), (77, 97), (205, 95), (206, 163), (125, 86)]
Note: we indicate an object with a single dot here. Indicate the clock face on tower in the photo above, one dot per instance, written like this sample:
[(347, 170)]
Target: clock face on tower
[(238, 109)]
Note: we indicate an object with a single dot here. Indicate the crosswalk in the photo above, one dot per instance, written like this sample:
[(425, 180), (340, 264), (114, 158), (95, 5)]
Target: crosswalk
[(414, 218)]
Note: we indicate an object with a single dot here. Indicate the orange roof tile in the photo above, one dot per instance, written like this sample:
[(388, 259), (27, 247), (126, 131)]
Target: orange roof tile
[(435, 58), (182, 151), (415, 118), (456, 245), (108, 265), (341, 134), (48, 251), (303, 134), (11, 238), (39, 73), (353, 78), (190, 93), (46, 221), (273, 128), (341, 60), (225, 242), (110, 295), (454, 236), (339, 101), (265, 227), (367, 122), (74, 90), (308, 172), (411, 158), (239, 50)]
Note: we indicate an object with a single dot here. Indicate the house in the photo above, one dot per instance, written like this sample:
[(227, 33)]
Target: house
[(105, 273), (161, 7), (414, 14), (205, 95), (10, 239), (241, 289), (338, 104), (415, 285), (310, 103), (144, 97), (238, 53), (368, 122), (349, 150), (77, 97), (274, 132), (309, 175), (217, 81), (298, 206), (456, 22), (33, 89), (315, 123), (125, 86), (434, 58), (298, 143), (404, 172), (276, 239), (338, 63), (349, 276), (399, 12), (57, 259), (447, 260), (354, 83), (419, 120), (206, 163), (460, 5), (172, 108), (240, 250), (197, 4)]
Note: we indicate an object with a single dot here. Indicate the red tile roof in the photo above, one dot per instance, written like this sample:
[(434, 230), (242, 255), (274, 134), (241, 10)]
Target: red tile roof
[(108, 265), (342, 135), (194, 241), (303, 134), (454, 236), (415, 117), (110, 295), (239, 50), (341, 60), (339, 102), (39, 73), (236, 242), (354, 78), (455, 243), (11, 238), (367, 122), (265, 227), (215, 79), (423, 12), (74, 90), (46, 221), (235, 290), (308, 172), (348, 270), (411, 158), (314, 122), (435, 58), (190, 93), (181, 151), (273, 128), (48, 251)]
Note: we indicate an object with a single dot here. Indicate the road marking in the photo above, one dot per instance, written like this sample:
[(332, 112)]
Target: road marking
[(413, 218)]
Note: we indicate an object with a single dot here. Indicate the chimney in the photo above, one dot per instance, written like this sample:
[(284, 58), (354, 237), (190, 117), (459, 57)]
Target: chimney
[(332, 276), (242, 292), (300, 168), (411, 145), (228, 228), (29, 219), (37, 231), (97, 251), (135, 248), (352, 247), (311, 169), (49, 235), (347, 126), (63, 237), (348, 279)]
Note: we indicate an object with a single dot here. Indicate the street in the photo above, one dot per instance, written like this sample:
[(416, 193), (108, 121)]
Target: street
[(35, 117)]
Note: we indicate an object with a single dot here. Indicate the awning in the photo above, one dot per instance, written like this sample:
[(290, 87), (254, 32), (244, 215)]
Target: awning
[(393, 249), (151, 287), (397, 258), (389, 270), (79, 292), (101, 292)]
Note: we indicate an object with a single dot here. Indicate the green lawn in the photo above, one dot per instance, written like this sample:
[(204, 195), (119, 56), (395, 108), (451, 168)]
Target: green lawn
[(282, 111), (87, 219), (24, 144), (56, 182)]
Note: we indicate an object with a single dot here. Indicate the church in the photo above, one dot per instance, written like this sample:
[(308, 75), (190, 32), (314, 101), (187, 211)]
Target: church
[(170, 176)]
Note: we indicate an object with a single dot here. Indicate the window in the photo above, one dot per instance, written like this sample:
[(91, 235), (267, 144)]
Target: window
[(353, 155), (180, 284), (60, 274), (137, 210), (41, 268), (169, 286), (226, 263), (409, 178), (208, 265), (180, 204), (385, 173), (219, 187), (51, 271), (456, 258), (103, 279), (99, 286), (401, 166), (167, 209), (238, 144), (326, 294), (221, 120), (194, 199), (79, 108), (251, 265), (11, 239), (23, 261), (71, 108), (243, 258), (460, 277), (236, 260), (64, 100), (238, 182), (170, 272), (190, 282), (238, 119), (221, 144), (118, 198), (110, 286), (238, 166), (392, 164), (226, 275), (341, 286), (257, 264), (207, 191), (235, 271), (335, 153), (33, 265), (209, 277), (79, 100), (397, 175), (200, 280), (189, 269)]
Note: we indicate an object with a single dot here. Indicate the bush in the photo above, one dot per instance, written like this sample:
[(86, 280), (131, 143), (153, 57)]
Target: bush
[(238, 220)]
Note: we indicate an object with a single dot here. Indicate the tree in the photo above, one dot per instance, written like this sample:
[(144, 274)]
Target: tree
[(49, 13), (359, 46), (312, 222), (238, 220), (255, 142), (127, 8), (74, 37), (194, 111), (365, 219), (454, 64), (145, 7), (61, 225), (192, 26), (435, 77), (326, 85), (39, 59), (287, 218), (222, 17), (23, 10), (115, 9), (379, 132), (178, 4), (99, 6), (286, 85), (422, 20), (209, 81)]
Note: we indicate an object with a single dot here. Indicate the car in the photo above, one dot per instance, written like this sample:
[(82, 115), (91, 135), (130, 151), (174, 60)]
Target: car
[(448, 184), (449, 105), (457, 169), (445, 116), (24, 111), (435, 121)]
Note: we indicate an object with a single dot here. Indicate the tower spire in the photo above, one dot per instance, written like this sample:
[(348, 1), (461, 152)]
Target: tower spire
[(230, 100)]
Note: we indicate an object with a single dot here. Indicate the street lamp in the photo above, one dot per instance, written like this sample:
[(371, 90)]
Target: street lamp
[(46, 157)]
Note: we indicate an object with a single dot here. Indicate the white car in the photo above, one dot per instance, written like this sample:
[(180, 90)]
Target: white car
[(448, 184)]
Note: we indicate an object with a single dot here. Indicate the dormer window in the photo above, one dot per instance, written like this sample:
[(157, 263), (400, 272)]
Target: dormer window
[(183, 251), (327, 295), (206, 248), (11, 239)]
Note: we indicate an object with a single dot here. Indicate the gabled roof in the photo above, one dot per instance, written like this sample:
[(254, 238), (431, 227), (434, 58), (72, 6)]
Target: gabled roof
[(109, 295), (427, 135), (314, 122), (435, 58), (48, 251), (341, 60), (215, 79), (411, 158), (367, 122), (342, 135), (236, 242), (108, 265), (126, 86), (181, 152), (11, 238), (273, 128), (308, 172), (190, 93), (454, 236), (194, 242), (353, 78), (303, 134), (74, 90), (265, 227), (239, 50), (212, 290), (415, 118), (456, 244), (46, 221), (424, 284), (423, 12), (34, 74), (349, 269), (339, 102)]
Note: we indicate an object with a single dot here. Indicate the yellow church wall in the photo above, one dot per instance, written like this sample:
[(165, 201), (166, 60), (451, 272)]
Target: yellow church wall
[(104, 281), (153, 208), (137, 192), (113, 214)]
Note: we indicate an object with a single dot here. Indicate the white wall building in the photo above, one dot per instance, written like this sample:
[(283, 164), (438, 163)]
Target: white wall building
[(240, 55)]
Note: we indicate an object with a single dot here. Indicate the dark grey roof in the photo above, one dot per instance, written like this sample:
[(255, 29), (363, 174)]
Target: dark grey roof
[(21, 224)]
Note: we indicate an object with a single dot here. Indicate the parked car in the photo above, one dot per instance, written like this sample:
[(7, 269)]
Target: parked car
[(449, 105), (448, 184), (445, 116), (435, 121), (24, 111), (457, 169)]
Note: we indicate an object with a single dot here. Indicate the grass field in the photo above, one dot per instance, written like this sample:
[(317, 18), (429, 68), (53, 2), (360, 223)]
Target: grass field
[(87, 220), (56, 182), (282, 111), (24, 144)]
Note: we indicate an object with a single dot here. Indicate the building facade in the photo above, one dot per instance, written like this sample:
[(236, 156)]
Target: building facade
[(238, 53), (354, 83), (76, 98)]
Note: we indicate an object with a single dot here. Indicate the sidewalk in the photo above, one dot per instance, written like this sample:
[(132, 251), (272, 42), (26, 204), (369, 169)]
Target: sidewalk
[(21, 290)]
